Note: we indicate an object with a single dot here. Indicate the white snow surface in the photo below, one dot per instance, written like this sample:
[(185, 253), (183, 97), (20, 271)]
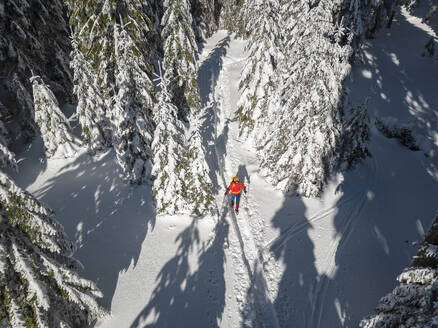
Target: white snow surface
[(284, 261)]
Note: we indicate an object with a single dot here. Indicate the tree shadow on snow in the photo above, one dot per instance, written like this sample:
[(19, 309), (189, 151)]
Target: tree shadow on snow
[(294, 248), (195, 298), (31, 161), (422, 11), (401, 82), (389, 200), (213, 142), (210, 69), (107, 218), (366, 250), (386, 202)]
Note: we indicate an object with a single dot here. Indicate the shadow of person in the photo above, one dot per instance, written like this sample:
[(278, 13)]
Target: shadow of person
[(243, 175), (195, 298)]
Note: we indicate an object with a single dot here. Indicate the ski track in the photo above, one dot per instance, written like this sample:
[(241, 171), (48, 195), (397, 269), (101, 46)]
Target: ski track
[(256, 271), (339, 244), (246, 236), (248, 249)]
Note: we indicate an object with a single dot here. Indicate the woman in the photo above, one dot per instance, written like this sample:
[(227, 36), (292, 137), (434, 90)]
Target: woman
[(235, 189)]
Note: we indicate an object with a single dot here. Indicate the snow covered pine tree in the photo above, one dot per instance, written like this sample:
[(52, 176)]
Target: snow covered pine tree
[(167, 147), (305, 122), (181, 179), (295, 106), (197, 186), (132, 110), (413, 302), (54, 126), (182, 183), (6, 157), (112, 82), (90, 103), (39, 286), (33, 37), (231, 18), (205, 18), (179, 62), (93, 67), (257, 83)]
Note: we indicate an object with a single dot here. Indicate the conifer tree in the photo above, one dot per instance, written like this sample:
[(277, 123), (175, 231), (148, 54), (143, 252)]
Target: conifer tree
[(91, 107), (179, 62), (132, 109), (181, 176), (250, 15), (54, 126), (306, 123), (168, 149), (231, 15), (93, 67), (205, 18), (6, 157), (292, 86), (111, 60), (33, 38), (257, 82), (197, 184), (412, 303), (362, 18), (352, 144), (39, 286)]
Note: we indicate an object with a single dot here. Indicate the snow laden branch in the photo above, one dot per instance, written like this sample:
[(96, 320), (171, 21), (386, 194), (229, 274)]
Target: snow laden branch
[(54, 126), (293, 99), (413, 302), (130, 114), (39, 286), (167, 147), (181, 180), (7, 158), (91, 107), (179, 61), (257, 84), (198, 186), (34, 38)]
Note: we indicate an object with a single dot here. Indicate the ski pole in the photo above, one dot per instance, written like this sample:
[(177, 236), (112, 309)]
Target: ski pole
[(247, 189)]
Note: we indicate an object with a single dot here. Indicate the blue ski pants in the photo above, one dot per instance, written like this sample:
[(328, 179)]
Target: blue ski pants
[(237, 198)]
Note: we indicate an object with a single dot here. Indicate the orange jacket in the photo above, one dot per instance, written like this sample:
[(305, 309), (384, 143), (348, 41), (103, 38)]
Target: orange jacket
[(236, 188)]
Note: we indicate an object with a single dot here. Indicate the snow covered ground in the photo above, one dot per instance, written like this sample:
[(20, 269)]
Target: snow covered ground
[(283, 261)]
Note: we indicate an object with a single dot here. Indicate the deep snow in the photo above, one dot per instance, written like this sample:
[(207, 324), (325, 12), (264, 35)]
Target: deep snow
[(283, 261)]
